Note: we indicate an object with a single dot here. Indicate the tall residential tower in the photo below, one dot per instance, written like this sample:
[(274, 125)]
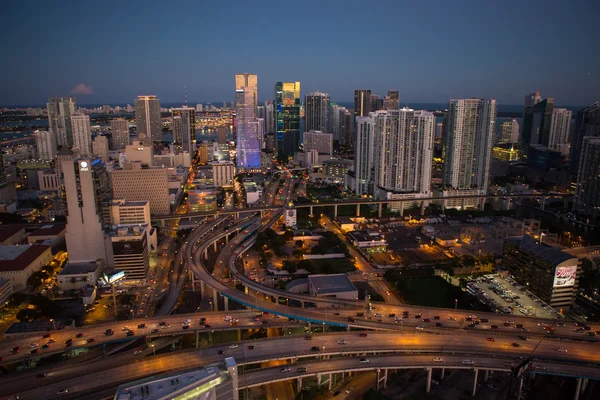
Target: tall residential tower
[(59, 119), (147, 119)]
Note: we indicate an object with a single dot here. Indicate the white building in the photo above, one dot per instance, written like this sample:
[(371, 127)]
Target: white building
[(134, 183), (223, 173), (138, 152), (509, 131), (17, 263), (59, 119), (199, 107), (100, 147), (147, 119), (82, 134), (79, 275), (48, 180), (364, 156), (120, 133), (253, 192), (319, 141), (129, 212), (46, 145), (468, 144), (559, 131), (86, 188)]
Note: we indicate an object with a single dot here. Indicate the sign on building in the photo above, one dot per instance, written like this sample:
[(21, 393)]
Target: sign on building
[(290, 217), (565, 276)]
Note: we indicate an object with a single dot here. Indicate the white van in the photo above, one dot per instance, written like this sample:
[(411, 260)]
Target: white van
[(187, 322), (227, 318)]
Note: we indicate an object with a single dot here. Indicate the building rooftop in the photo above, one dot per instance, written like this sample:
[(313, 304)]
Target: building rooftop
[(38, 326), (542, 251), (48, 230), (334, 161), (124, 203), (366, 236), (8, 231), (79, 268), (126, 230), (17, 258), (324, 284)]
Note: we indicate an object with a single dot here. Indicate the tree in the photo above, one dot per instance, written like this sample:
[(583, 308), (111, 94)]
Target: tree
[(27, 315), (288, 235), (297, 253), (317, 250), (299, 243), (34, 282), (306, 265), (289, 266)]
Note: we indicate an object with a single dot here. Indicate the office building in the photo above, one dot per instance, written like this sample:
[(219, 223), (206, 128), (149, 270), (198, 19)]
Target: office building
[(403, 153), (203, 154), (532, 99), (46, 145), (48, 180), (82, 134), (509, 131), (87, 188), (316, 112), (364, 156), (138, 152), (201, 200), (287, 106), (270, 116), (59, 119), (129, 246), (183, 123), (136, 183), (376, 103), (100, 147), (319, 141), (120, 133), (560, 126), (587, 124), (362, 103), (337, 168), (249, 83), (337, 286), (549, 273), (588, 177), (439, 130), (222, 134), (223, 173), (537, 120), (261, 132), (18, 262), (147, 119), (392, 100), (506, 152), (122, 212), (541, 158), (468, 145)]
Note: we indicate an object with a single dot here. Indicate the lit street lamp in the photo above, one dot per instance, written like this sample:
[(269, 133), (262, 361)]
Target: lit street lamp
[(455, 304), (153, 349), (53, 324)]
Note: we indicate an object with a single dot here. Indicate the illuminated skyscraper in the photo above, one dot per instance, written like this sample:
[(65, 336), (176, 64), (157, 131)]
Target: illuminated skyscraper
[(269, 116), (316, 112), (147, 119), (184, 127), (120, 133), (509, 131), (559, 131), (82, 134), (588, 124), (287, 104), (59, 119), (248, 82), (248, 150)]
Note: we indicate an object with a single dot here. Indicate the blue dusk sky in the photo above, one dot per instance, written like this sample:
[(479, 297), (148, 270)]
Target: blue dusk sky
[(108, 52)]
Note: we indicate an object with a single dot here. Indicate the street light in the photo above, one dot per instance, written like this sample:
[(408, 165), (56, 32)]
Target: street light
[(53, 324), (153, 349), (455, 304)]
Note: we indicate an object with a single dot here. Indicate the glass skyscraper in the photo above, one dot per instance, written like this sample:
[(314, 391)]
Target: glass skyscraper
[(287, 106), (248, 144)]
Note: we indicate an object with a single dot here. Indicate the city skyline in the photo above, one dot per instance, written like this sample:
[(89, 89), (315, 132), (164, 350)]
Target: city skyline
[(479, 67)]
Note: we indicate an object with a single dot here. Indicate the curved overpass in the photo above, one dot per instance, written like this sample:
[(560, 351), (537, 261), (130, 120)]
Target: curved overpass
[(384, 350)]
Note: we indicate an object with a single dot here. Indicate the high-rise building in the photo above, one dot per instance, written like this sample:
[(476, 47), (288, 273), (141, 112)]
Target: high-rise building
[(588, 177), (509, 131), (261, 132), (532, 99), (100, 147), (249, 83), (45, 142), (270, 116), (198, 107), (468, 144), (364, 156), (588, 124), (184, 128), (536, 123), (120, 133), (392, 100), (403, 153), (319, 141), (316, 112), (439, 130), (287, 105), (560, 126), (375, 103), (147, 119), (135, 183), (223, 173), (248, 150), (129, 250), (222, 134), (59, 119), (82, 134), (362, 102), (87, 188)]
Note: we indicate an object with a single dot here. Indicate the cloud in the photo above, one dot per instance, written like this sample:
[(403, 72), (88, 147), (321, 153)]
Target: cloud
[(82, 90)]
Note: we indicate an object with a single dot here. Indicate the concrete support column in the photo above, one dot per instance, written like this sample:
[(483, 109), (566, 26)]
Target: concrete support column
[(584, 384), (443, 206), (443, 373), (239, 335), (197, 338), (226, 239), (401, 208), (486, 374), (330, 381), (302, 304), (542, 203), (215, 301), (422, 208), (202, 288), (380, 210), (578, 389), (215, 246), (463, 204), (428, 385), (206, 253), (311, 212), (381, 378), (193, 278), (225, 304), (310, 326), (475, 382), (299, 384), (335, 211), (319, 379), (358, 210)]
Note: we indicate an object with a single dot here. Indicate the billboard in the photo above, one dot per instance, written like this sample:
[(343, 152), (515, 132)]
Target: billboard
[(290, 217), (129, 247), (565, 276)]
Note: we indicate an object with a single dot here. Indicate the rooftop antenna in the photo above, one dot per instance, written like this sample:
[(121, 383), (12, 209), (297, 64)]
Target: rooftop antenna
[(185, 93)]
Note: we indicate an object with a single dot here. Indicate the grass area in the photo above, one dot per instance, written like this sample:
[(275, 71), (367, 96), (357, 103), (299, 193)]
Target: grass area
[(434, 291)]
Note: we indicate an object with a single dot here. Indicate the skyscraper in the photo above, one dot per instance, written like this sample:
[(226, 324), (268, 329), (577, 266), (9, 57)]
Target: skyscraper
[(45, 142), (468, 144), (316, 112), (364, 156), (248, 82), (509, 131), (120, 133), (588, 124), (375, 103), (392, 100), (248, 151), (287, 105), (147, 119), (184, 127), (100, 147), (362, 102), (318, 141), (59, 119), (536, 123), (559, 131), (588, 177), (87, 187), (532, 99), (82, 134)]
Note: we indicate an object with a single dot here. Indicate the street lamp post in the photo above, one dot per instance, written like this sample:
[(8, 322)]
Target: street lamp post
[(153, 349), (53, 324), (455, 304)]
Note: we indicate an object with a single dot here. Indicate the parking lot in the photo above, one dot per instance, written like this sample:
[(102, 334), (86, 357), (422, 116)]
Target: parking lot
[(509, 297)]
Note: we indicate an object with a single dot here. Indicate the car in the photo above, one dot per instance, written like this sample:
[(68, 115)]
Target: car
[(437, 359), (436, 317), (425, 319), (79, 335), (301, 369), (251, 347), (90, 340), (467, 362), (15, 350), (349, 390), (207, 325), (161, 323), (516, 345), (233, 346), (221, 352), (285, 369), (51, 341), (45, 346), (135, 353), (33, 345), (491, 339), (307, 337), (68, 344), (363, 335), (185, 327), (47, 335), (69, 341), (364, 360), (125, 328), (109, 332), (62, 391), (392, 315), (562, 350), (315, 348), (420, 328), (561, 324), (483, 320), (154, 331), (166, 326), (42, 375), (130, 333), (341, 342), (34, 351), (141, 326)]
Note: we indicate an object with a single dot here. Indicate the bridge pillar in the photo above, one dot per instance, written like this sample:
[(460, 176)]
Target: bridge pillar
[(226, 239), (578, 389), (428, 385), (335, 211), (311, 212), (215, 300), (382, 378), (443, 206), (463, 204), (215, 246), (542, 203), (330, 381), (193, 279), (310, 326), (475, 382), (380, 210), (358, 210), (206, 253), (486, 375), (443, 373), (239, 335), (299, 384), (401, 208), (584, 384), (202, 288), (422, 208), (197, 337), (225, 304)]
